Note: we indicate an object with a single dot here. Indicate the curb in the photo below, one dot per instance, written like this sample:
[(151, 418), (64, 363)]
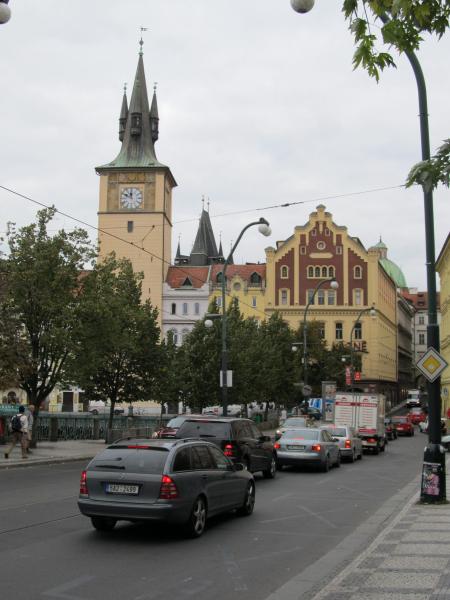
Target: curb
[(44, 461), (309, 584)]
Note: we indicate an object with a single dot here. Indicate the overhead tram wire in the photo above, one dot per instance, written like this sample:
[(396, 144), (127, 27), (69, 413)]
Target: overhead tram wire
[(68, 216)]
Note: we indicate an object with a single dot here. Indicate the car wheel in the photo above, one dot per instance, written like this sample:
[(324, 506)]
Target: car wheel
[(352, 457), (272, 470), (103, 523), (326, 464), (249, 502), (197, 520)]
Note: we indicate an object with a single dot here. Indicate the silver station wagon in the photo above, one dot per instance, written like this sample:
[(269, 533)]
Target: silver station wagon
[(175, 481), (308, 446)]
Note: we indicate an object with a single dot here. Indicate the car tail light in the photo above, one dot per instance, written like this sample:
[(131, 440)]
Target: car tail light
[(168, 489), (348, 444), (316, 447), (83, 484), (229, 450), (371, 440), (276, 446)]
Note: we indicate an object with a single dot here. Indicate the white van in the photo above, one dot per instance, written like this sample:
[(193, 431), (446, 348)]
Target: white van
[(413, 398)]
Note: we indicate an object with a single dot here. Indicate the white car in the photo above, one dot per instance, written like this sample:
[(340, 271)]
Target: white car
[(291, 423)]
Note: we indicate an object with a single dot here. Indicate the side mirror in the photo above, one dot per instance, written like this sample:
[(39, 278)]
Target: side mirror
[(238, 467)]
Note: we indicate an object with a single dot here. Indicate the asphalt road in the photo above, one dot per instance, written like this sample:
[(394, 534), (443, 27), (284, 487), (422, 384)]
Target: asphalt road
[(49, 551)]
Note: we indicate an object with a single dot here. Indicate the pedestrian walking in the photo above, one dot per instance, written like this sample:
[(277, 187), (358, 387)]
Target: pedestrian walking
[(19, 428), (30, 416)]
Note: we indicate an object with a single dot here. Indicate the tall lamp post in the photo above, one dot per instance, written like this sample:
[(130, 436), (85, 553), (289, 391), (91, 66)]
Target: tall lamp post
[(373, 311), (264, 229), (5, 12), (333, 285), (434, 457)]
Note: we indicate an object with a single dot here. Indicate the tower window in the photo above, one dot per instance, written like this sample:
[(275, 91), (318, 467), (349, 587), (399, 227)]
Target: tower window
[(284, 272), (324, 272), (130, 226), (357, 271), (311, 272), (338, 249), (173, 309), (317, 272), (331, 272)]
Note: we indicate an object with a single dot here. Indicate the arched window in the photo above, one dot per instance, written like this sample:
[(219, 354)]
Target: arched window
[(324, 272), (317, 272), (197, 308), (330, 271), (255, 278), (357, 271), (173, 308), (174, 333), (284, 272), (185, 308), (310, 272)]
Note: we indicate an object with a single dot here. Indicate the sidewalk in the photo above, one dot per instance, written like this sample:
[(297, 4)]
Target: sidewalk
[(52, 452), (409, 560)]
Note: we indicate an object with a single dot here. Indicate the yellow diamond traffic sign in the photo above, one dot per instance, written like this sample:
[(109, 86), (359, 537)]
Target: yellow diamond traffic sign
[(431, 364)]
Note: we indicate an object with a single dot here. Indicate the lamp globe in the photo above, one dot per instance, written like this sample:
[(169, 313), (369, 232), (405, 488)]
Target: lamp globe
[(302, 6), (5, 13)]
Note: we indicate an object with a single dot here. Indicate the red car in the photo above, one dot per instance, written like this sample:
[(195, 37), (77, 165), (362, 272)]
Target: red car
[(416, 416), (403, 426)]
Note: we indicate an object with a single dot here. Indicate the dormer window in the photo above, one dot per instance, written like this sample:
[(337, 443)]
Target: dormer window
[(255, 279), (136, 124), (187, 282)]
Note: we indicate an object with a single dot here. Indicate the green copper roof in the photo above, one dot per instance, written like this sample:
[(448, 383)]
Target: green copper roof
[(137, 149), (394, 272), (381, 244)]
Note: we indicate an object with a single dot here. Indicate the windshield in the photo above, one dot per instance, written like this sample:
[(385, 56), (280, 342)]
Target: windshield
[(302, 434)]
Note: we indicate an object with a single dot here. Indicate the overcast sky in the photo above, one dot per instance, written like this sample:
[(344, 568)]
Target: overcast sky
[(258, 106)]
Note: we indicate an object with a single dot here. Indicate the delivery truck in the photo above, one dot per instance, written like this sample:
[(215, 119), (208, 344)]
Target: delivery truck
[(364, 412)]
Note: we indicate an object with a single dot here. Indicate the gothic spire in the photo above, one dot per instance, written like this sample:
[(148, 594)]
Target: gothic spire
[(123, 114), (204, 251), (154, 118)]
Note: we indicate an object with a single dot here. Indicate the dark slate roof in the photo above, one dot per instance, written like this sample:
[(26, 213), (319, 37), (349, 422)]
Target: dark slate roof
[(204, 251), (137, 150)]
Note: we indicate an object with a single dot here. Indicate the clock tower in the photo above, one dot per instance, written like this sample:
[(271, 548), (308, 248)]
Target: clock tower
[(135, 208)]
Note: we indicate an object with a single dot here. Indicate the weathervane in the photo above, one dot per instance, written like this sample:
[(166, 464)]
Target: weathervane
[(141, 41)]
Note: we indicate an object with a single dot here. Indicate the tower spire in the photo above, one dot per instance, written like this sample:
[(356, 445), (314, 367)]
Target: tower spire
[(123, 113), (154, 117)]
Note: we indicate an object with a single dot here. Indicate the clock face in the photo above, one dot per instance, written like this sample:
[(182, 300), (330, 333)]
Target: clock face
[(131, 198)]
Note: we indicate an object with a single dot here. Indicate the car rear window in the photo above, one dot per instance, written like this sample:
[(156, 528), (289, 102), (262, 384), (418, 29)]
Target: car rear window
[(400, 420), (294, 422), (337, 431), (204, 429), (133, 457), (302, 434)]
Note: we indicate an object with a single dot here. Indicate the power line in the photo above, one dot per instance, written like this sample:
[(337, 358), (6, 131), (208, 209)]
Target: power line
[(187, 273)]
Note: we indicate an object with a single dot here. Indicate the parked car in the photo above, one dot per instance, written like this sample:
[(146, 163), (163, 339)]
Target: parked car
[(403, 426), (100, 408), (240, 440), (176, 481), (290, 423), (391, 432), (350, 445), (171, 427), (308, 446), (423, 426), (416, 416)]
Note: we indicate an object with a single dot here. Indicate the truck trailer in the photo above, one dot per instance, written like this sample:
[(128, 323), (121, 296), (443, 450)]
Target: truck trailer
[(364, 412)]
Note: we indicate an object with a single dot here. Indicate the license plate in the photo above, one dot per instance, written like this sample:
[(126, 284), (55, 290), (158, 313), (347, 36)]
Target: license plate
[(122, 488), (295, 447)]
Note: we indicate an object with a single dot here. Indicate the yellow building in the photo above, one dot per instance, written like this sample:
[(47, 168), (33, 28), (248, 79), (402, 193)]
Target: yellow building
[(443, 268), (320, 250), (246, 283), (135, 208)]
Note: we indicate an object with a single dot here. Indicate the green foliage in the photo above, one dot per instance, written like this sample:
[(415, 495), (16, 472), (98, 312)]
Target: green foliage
[(430, 173), (39, 304), (117, 355)]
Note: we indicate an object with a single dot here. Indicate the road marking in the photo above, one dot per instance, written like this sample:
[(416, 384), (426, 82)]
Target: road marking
[(318, 516), (233, 570)]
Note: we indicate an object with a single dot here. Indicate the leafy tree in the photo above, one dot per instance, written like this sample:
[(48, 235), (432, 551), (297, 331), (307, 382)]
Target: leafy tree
[(168, 383), (404, 28), (117, 355), (39, 305)]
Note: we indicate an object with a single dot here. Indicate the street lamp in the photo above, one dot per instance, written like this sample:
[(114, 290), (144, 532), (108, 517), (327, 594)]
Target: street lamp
[(264, 229), (373, 313), (5, 12), (434, 456), (333, 285)]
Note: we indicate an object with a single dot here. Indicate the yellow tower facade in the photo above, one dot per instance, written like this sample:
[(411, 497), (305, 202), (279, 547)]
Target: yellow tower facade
[(443, 268), (135, 205)]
